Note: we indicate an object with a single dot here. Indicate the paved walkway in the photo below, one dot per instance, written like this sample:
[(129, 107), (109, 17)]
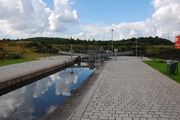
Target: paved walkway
[(16, 69), (128, 89)]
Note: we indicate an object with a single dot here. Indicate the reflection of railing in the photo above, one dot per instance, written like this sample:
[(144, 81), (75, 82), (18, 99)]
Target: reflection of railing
[(95, 56), (90, 65)]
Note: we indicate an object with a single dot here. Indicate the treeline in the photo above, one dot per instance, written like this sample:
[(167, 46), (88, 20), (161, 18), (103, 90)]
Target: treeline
[(129, 42), (154, 47)]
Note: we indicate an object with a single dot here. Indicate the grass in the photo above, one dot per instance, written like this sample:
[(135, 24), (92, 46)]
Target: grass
[(9, 62), (19, 47), (162, 68)]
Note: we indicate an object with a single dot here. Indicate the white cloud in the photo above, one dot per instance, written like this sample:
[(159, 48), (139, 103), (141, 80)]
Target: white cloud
[(64, 81), (62, 14), (167, 16), (17, 104), (11, 101), (121, 31), (29, 17), (25, 16), (165, 20)]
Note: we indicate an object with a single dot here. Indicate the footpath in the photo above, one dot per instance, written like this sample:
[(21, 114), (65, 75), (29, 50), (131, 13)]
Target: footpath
[(20, 68), (12, 75), (128, 89)]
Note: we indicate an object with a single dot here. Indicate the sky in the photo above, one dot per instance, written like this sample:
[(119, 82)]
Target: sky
[(89, 19)]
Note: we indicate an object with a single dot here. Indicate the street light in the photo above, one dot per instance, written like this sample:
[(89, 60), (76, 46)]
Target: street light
[(136, 48), (112, 39)]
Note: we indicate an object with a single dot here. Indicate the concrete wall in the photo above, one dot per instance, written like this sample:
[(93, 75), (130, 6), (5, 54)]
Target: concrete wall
[(12, 81)]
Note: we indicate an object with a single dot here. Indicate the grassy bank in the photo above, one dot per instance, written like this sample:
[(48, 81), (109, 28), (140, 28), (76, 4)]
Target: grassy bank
[(162, 66), (9, 62)]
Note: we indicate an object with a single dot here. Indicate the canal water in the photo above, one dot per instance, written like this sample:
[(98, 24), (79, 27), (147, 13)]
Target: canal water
[(37, 100)]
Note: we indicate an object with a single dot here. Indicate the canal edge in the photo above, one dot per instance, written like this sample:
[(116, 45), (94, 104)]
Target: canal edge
[(65, 110)]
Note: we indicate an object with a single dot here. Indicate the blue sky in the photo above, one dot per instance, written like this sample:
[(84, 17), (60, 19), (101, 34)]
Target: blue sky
[(49, 3), (89, 19), (110, 11)]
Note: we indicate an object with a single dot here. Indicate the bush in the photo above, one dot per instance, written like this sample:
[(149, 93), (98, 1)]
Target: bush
[(10, 55), (16, 56)]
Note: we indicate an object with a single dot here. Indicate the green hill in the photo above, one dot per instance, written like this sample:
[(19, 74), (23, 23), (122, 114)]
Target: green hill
[(39, 46)]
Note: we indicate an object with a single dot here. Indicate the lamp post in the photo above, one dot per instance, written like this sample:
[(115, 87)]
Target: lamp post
[(136, 48), (112, 39), (71, 51)]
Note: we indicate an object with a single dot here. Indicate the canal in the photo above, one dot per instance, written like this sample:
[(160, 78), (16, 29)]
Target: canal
[(37, 100)]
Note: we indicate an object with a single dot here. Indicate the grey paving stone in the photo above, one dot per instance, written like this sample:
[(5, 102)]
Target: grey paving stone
[(107, 114), (93, 117), (85, 119), (127, 118), (130, 89), (152, 119), (136, 118), (119, 118), (147, 116), (75, 118), (88, 113), (112, 118), (103, 118), (143, 118)]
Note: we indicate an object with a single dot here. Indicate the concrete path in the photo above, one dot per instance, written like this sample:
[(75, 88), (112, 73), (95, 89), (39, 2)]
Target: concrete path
[(128, 89), (16, 69)]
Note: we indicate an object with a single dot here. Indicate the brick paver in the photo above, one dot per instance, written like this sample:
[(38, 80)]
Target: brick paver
[(128, 89)]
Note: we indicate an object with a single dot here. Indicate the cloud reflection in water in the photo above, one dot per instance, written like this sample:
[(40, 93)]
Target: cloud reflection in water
[(36, 100), (64, 82)]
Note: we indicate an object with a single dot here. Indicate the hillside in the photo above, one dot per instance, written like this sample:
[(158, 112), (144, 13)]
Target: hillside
[(43, 46), (141, 41), (16, 50)]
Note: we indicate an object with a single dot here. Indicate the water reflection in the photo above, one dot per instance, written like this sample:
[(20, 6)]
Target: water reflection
[(90, 65), (37, 100), (64, 82)]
